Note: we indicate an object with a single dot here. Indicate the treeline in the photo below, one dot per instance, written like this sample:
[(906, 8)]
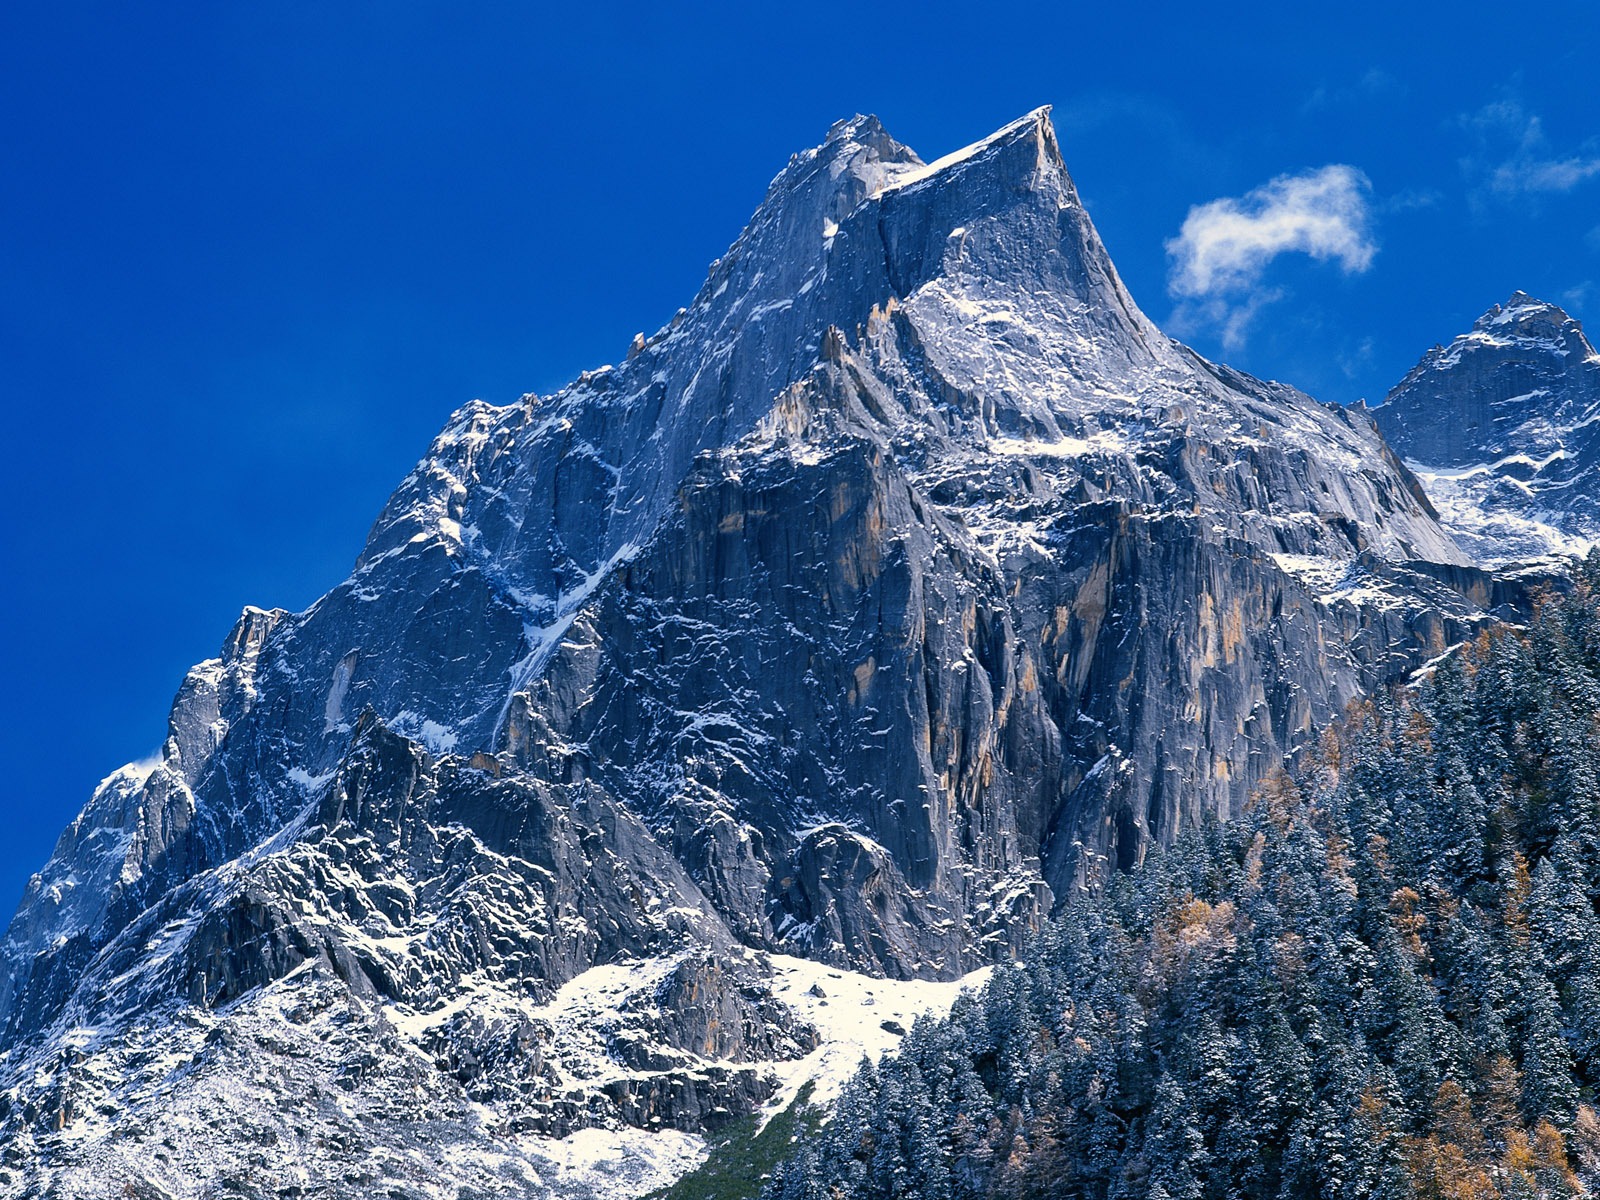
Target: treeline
[(1383, 981)]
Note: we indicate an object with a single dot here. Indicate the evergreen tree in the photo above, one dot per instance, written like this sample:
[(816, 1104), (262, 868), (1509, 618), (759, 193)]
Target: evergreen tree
[(1382, 981)]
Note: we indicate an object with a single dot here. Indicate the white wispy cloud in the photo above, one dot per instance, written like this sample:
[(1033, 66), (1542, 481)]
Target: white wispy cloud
[(1515, 157), (1221, 253), (1554, 176)]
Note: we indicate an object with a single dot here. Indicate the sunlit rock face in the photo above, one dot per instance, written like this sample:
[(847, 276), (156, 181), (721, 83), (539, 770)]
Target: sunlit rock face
[(1503, 426), (906, 582)]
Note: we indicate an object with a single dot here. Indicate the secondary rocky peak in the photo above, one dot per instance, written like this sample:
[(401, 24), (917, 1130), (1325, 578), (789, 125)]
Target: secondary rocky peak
[(863, 132), (854, 160), (1525, 315), (1501, 425)]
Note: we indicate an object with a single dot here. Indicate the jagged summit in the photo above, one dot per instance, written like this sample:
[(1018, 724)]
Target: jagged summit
[(1524, 314), (1033, 132), (848, 137), (908, 581), (1502, 424)]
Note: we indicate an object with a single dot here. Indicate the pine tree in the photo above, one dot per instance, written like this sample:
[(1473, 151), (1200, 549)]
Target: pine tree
[(1382, 981)]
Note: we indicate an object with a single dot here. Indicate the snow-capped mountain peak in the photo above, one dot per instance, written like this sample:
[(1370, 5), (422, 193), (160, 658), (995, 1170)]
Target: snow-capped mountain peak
[(1503, 426)]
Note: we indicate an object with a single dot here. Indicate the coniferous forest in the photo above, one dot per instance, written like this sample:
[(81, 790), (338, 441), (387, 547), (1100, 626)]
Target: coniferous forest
[(1382, 980)]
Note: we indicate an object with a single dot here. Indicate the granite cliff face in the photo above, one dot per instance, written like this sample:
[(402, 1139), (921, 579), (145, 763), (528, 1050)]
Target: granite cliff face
[(1503, 424), (907, 581)]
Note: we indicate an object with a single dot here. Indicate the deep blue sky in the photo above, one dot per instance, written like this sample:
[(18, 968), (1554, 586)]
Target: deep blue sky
[(253, 255)]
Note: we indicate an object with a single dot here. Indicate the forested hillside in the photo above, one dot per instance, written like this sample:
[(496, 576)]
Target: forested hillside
[(1383, 981)]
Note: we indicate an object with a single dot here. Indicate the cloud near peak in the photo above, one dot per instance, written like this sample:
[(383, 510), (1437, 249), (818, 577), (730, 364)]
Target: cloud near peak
[(1221, 253), (1225, 245)]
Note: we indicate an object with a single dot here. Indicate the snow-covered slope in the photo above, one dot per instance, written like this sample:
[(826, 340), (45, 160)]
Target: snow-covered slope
[(1503, 427), (303, 1086), (907, 581)]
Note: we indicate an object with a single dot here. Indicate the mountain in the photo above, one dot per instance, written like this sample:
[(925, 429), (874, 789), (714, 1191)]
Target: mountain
[(1503, 427), (905, 585)]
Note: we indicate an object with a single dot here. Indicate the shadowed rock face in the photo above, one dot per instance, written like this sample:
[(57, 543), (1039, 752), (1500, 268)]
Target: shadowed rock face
[(905, 582), (1501, 423)]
